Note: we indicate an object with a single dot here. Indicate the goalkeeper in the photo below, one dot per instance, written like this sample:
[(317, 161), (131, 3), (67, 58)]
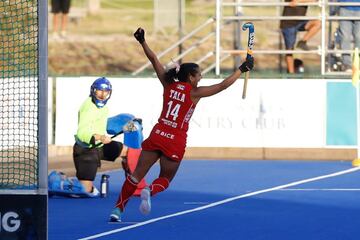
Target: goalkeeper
[(91, 144)]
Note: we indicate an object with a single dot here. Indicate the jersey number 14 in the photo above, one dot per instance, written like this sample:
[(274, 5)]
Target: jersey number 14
[(172, 111)]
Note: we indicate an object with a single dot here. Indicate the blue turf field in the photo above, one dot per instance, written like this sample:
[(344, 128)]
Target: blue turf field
[(226, 200)]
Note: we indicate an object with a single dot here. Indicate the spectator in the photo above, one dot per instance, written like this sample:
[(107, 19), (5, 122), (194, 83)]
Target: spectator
[(290, 28), (60, 7), (349, 30)]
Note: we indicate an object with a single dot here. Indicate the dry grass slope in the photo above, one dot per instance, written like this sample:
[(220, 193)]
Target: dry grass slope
[(102, 43)]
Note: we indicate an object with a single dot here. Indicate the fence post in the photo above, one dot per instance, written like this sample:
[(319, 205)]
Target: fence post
[(93, 6)]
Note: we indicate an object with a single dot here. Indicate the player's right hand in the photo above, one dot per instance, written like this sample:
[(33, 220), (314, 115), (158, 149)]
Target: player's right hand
[(140, 35), (247, 65), (105, 139)]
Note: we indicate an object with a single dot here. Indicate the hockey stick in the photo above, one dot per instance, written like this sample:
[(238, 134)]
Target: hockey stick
[(114, 136), (249, 52), (131, 126)]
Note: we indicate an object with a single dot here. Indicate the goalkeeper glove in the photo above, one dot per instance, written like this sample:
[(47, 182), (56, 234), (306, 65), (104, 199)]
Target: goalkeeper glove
[(140, 35), (129, 127), (247, 65)]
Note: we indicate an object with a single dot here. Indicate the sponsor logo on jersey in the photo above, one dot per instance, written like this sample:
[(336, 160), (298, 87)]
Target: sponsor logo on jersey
[(180, 86), (189, 114), (165, 134), (169, 123)]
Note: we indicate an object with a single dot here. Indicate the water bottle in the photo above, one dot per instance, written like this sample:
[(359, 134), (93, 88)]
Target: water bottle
[(104, 185)]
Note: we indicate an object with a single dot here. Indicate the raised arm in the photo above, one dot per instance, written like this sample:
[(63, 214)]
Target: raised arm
[(159, 69), (206, 91)]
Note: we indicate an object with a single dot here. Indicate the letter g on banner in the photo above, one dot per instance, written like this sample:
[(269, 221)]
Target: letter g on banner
[(10, 222)]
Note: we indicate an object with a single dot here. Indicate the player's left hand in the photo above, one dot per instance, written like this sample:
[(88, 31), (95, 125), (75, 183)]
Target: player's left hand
[(247, 65), (129, 127)]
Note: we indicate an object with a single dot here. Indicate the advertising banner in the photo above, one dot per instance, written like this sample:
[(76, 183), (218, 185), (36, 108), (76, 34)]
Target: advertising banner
[(23, 216), (276, 113)]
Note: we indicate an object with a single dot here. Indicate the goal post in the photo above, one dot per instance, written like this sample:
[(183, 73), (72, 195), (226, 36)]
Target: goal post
[(23, 122)]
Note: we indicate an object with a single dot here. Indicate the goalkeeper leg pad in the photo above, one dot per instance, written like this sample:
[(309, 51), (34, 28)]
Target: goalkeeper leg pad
[(61, 185)]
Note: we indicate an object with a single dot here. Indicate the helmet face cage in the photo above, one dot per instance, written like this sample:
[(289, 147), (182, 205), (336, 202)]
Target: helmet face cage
[(100, 84)]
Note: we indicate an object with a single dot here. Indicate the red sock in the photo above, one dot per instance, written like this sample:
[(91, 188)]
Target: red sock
[(159, 185), (127, 191)]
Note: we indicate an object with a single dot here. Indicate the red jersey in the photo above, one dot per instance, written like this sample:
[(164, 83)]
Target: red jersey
[(169, 134), (177, 106)]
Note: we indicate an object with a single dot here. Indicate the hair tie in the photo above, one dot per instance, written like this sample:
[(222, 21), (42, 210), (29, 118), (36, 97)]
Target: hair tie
[(177, 66)]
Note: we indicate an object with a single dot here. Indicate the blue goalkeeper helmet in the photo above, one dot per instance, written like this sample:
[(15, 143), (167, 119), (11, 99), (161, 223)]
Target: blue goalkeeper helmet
[(100, 84)]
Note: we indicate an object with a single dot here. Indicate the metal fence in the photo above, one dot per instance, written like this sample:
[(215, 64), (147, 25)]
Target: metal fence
[(325, 16)]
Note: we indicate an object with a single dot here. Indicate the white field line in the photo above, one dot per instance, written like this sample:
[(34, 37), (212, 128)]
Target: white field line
[(195, 203), (322, 189), (220, 203)]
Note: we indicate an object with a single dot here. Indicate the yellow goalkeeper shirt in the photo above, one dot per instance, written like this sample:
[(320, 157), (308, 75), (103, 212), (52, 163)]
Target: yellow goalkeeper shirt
[(91, 120)]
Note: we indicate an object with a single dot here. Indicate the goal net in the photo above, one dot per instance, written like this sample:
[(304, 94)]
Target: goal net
[(23, 121), (19, 97)]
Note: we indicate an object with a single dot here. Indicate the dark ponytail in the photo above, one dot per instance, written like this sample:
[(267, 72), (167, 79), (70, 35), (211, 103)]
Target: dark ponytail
[(171, 75), (183, 73)]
